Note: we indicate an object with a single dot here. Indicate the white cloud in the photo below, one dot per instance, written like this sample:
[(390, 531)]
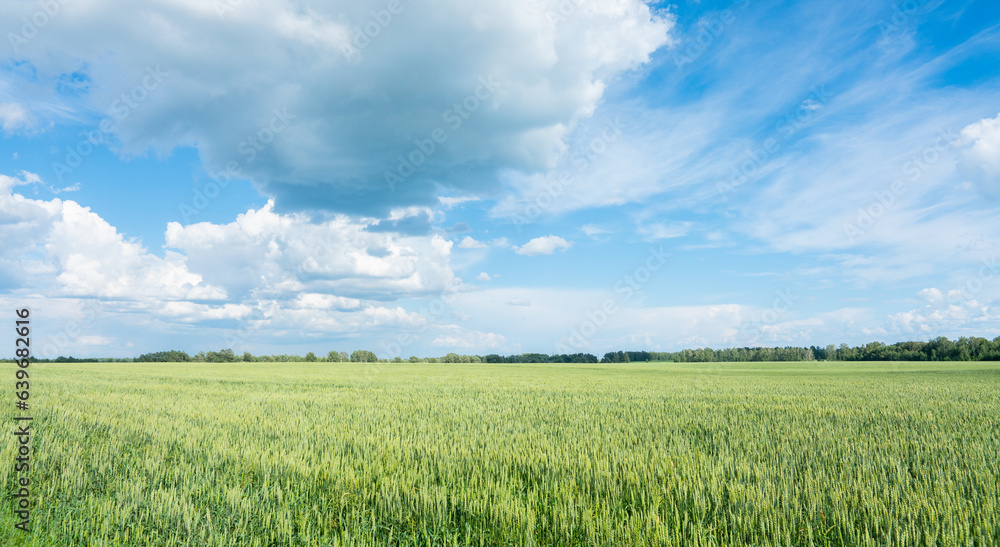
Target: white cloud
[(263, 253), (73, 188), (932, 295), (264, 273), (982, 157), (449, 202), (315, 301), (970, 310), (594, 231), (13, 117), (62, 248), (354, 110), (470, 243), (483, 276), (519, 301), (463, 339), (544, 245), (194, 312), (660, 230)]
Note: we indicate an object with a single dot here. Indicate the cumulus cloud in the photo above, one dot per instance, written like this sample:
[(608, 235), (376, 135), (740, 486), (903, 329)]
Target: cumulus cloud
[(13, 117), (315, 301), (470, 243), (932, 295), (967, 310), (981, 160), (483, 276), (266, 254), (359, 95), (544, 245), (64, 248), (263, 273)]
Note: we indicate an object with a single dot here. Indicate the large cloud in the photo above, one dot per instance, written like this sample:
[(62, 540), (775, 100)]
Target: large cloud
[(341, 90), (266, 254), (981, 160), (64, 249), (252, 281)]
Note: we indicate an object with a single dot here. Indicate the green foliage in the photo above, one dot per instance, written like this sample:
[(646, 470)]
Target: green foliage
[(363, 356), (938, 349), (636, 454), (221, 356), (172, 356)]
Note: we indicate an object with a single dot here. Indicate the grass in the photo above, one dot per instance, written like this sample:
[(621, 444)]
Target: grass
[(398, 454)]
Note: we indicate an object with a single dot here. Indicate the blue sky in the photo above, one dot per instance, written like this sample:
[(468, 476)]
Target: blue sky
[(293, 176)]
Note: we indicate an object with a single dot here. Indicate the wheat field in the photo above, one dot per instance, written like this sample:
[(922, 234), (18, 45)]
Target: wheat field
[(282, 454)]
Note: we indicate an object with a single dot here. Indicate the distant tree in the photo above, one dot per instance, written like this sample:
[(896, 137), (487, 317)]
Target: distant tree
[(363, 356), (311, 357), (343, 357), (414, 359), (248, 357), (172, 356), (451, 358), (397, 359), (221, 356)]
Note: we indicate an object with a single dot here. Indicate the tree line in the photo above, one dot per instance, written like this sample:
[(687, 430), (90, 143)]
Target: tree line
[(938, 349)]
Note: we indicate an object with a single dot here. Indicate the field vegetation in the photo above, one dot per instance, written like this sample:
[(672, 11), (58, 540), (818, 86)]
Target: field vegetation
[(277, 454)]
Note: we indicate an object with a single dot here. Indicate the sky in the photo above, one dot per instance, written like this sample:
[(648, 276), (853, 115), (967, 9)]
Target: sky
[(418, 178)]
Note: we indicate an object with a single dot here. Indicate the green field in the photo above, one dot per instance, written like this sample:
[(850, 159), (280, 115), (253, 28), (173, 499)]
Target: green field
[(639, 454)]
